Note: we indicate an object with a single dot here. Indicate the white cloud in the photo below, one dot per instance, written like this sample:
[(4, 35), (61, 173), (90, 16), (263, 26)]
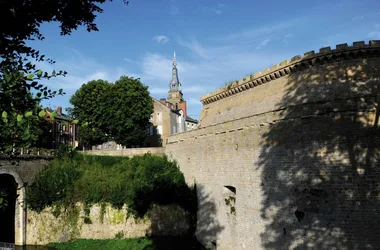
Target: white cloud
[(263, 43), (128, 60), (287, 37), (195, 47), (161, 39)]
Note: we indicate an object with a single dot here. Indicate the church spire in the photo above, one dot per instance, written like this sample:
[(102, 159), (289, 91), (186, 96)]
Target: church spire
[(175, 85)]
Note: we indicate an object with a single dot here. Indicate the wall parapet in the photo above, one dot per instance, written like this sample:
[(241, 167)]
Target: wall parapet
[(129, 152), (309, 59)]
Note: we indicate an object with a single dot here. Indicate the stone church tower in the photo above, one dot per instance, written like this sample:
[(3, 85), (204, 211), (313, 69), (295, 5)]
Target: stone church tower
[(175, 96)]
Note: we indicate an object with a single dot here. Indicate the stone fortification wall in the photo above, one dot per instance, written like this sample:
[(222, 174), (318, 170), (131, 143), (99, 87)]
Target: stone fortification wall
[(26, 167), (288, 158), (129, 152), (44, 227)]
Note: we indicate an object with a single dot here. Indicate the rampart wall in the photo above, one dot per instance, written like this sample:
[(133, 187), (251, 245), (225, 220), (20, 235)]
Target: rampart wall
[(129, 152), (287, 158)]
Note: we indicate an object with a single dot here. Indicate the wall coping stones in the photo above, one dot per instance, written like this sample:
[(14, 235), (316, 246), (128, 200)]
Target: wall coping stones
[(283, 69)]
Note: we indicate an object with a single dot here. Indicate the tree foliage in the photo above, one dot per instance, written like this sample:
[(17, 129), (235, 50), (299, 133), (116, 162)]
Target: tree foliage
[(88, 102), (137, 182), (118, 111), (130, 108), (20, 81)]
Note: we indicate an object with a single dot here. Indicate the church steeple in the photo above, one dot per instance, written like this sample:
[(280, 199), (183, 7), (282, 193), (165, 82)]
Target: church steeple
[(175, 96), (175, 85)]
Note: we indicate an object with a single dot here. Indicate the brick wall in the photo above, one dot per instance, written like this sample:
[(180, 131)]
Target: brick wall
[(300, 148)]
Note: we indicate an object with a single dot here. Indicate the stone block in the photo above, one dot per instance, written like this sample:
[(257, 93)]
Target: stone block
[(325, 50), (341, 46), (374, 43), (296, 58), (309, 54), (359, 44)]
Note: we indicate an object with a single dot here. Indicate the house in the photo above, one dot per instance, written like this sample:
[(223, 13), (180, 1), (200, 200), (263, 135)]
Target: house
[(60, 130)]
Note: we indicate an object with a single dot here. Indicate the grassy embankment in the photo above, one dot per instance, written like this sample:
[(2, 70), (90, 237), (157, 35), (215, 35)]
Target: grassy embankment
[(147, 243)]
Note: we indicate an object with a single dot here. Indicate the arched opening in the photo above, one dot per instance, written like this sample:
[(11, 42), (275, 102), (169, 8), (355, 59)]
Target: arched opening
[(8, 197)]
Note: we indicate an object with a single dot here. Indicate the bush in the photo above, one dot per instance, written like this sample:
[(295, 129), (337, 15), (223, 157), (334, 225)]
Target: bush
[(137, 182)]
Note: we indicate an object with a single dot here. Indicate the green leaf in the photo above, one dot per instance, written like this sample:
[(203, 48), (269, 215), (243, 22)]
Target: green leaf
[(42, 113), (75, 122), (53, 114), (27, 114), (53, 73), (39, 73), (26, 135), (30, 76), (8, 77), (4, 115), (19, 118)]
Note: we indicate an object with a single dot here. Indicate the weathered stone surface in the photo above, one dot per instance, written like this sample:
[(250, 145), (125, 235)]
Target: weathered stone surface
[(302, 152), (44, 227), (130, 152)]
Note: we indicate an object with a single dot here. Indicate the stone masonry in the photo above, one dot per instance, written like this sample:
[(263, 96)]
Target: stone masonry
[(287, 158)]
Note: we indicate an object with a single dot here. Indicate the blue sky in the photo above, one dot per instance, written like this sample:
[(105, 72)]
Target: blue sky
[(215, 41)]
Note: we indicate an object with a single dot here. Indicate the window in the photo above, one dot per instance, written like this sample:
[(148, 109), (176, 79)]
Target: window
[(71, 129), (151, 130), (159, 117), (176, 106)]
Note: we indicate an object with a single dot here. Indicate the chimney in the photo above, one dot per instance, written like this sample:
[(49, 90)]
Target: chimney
[(59, 110), (163, 101)]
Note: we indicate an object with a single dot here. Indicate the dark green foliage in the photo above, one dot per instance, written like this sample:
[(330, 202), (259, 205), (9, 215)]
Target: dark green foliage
[(88, 102), (119, 111), (147, 243), (137, 182), (53, 186), (65, 151), (129, 108)]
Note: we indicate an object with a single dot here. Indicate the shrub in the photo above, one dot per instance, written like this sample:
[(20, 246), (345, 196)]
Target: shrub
[(137, 182)]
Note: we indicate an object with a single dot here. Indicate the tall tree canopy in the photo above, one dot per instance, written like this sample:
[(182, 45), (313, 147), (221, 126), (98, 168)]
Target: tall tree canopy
[(20, 88), (119, 111), (88, 102)]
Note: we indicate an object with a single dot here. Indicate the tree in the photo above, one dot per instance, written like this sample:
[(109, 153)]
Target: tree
[(19, 77), (129, 110), (88, 102), (119, 111)]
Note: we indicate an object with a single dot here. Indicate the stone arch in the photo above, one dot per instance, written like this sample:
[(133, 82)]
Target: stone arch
[(20, 208)]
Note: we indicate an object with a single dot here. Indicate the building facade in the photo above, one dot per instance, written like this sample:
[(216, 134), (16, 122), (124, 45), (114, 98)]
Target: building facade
[(60, 130)]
